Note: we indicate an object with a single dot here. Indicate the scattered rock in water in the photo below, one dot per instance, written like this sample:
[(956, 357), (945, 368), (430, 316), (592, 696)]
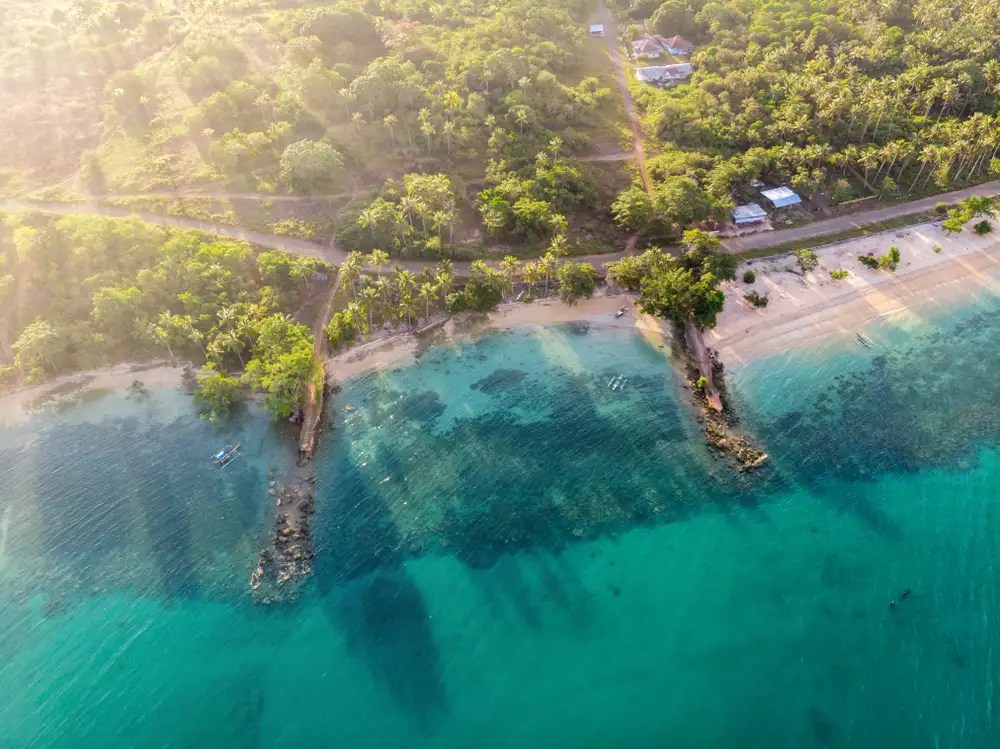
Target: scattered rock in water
[(718, 436), (288, 558)]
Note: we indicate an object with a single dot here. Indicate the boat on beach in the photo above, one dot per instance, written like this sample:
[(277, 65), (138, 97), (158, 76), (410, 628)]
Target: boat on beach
[(226, 456), (620, 312)]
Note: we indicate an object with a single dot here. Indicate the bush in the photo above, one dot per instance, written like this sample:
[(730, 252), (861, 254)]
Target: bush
[(838, 275), (889, 260), (941, 208), (701, 383), (937, 249), (983, 227), (749, 277), (807, 260), (757, 300), (868, 260)]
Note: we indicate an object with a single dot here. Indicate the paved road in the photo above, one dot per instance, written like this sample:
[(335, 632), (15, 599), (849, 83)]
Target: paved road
[(834, 225), (333, 254), (611, 32), (329, 253)]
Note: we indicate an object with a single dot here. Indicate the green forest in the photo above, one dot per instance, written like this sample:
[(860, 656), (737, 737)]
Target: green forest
[(411, 130), (837, 99), (81, 291), (344, 102)]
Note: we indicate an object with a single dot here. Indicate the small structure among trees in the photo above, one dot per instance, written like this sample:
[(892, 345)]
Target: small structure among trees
[(660, 75), (750, 214), (678, 45), (781, 197)]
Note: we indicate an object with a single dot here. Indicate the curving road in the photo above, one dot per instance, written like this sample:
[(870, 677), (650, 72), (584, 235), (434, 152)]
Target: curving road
[(330, 252), (335, 255)]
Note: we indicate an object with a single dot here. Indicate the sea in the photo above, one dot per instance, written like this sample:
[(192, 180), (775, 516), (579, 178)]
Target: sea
[(511, 554)]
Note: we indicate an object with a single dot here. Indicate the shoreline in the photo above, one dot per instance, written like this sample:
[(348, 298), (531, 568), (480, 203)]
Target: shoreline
[(16, 405), (404, 347), (809, 310)]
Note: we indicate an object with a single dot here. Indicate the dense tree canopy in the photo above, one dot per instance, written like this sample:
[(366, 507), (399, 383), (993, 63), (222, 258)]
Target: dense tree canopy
[(89, 291), (851, 98)]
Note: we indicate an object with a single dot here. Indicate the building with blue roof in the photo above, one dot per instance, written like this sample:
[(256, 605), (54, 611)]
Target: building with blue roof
[(781, 197)]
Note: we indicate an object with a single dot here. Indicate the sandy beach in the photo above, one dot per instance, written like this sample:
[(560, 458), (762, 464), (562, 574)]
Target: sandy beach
[(804, 310), (403, 347), (18, 405)]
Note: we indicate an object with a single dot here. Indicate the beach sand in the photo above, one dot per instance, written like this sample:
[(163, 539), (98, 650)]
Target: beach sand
[(18, 405), (404, 347), (807, 309)]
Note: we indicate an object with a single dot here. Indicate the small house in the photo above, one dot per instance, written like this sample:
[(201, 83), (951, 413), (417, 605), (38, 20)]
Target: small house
[(749, 214), (660, 75), (678, 45), (596, 30), (781, 197), (647, 47)]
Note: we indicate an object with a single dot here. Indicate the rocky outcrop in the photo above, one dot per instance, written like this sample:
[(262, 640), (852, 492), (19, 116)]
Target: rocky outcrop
[(287, 558), (706, 377)]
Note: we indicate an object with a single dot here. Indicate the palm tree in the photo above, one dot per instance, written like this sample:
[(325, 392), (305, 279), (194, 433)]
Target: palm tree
[(350, 270), (427, 293), (301, 268), (390, 121), (384, 288), (532, 272), (227, 341), (404, 279), (408, 307), (226, 317), (448, 128), (163, 331), (376, 259), (510, 266), (559, 247), (445, 277), (368, 297), (548, 263)]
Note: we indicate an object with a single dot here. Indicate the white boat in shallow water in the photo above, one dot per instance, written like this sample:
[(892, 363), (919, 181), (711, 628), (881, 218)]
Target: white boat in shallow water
[(617, 383)]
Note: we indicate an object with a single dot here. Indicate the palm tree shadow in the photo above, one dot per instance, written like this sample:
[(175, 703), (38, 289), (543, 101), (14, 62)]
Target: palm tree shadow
[(368, 592)]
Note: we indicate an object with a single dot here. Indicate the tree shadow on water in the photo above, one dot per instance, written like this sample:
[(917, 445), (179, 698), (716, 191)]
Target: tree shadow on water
[(368, 592)]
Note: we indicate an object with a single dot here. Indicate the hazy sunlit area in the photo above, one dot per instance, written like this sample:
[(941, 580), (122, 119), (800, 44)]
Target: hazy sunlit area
[(514, 375)]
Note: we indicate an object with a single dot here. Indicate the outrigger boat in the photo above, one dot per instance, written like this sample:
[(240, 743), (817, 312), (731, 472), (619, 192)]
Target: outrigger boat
[(864, 340), (617, 383), (227, 456)]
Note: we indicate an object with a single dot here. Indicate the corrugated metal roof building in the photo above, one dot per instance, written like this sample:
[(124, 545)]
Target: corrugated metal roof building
[(664, 73), (751, 213), (781, 197)]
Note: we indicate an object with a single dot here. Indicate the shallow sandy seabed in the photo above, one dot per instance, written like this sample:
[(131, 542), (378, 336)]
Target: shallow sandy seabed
[(402, 348), (17, 406)]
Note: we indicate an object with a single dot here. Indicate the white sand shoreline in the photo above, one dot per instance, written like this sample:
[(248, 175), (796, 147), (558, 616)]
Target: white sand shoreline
[(402, 348), (16, 405), (804, 311)]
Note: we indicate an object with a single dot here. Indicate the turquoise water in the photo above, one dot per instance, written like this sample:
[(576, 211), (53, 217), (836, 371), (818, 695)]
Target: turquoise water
[(511, 555)]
